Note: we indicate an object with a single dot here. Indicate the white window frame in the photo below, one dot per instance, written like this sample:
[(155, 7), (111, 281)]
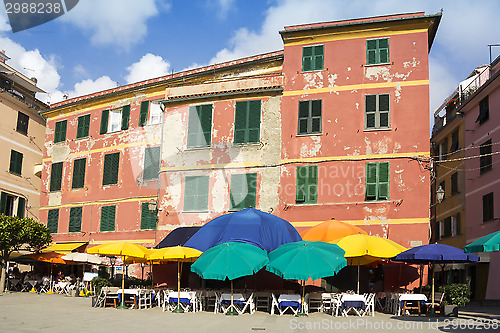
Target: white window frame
[(115, 119), (154, 113)]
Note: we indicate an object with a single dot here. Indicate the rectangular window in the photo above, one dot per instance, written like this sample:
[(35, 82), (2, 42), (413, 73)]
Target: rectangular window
[(377, 111), (484, 111), (16, 162), (454, 141), (151, 163), (200, 126), (377, 51), (111, 166), (22, 123), (115, 120), (247, 122), (7, 203), (486, 159), (148, 218), (143, 115), (56, 176), (312, 58), (309, 117), (377, 181), (196, 193), (488, 211), (454, 183), (60, 131), (21, 206), (108, 218), (447, 227), (79, 173), (306, 191), (53, 220), (243, 190), (83, 127), (154, 114), (75, 219)]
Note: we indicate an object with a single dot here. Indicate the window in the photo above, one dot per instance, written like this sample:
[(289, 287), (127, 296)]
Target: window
[(115, 120), (247, 122), (312, 58), (377, 51), (143, 115), (82, 130), (154, 113), (108, 218), (200, 126), (79, 173), (16, 162), (75, 219), (447, 227), (111, 166), (148, 218), (454, 183), (53, 220), (486, 159), (377, 111), (488, 211), (196, 193), (437, 227), (454, 141), (377, 181), (443, 149), (22, 123), (484, 111), (455, 225), (243, 190), (8, 205), (309, 117), (60, 131), (151, 163), (307, 185), (56, 176)]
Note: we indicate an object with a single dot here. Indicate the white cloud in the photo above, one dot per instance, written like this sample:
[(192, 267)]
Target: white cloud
[(89, 86), (150, 66), (121, 23), (222, 7)]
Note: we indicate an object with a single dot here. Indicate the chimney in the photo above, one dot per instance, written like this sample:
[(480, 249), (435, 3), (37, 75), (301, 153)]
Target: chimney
[(3, 57)]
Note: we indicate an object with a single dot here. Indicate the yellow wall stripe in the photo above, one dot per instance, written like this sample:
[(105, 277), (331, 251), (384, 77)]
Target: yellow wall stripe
[(98, 202), (136, 241), (356, 157), (367, 222), (357, 87)]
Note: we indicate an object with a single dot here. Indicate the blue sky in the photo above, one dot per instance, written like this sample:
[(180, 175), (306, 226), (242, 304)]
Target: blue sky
[(101, 44)]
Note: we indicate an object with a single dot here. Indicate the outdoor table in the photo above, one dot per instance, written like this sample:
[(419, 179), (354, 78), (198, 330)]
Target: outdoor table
[(285, 302), (237, 298), (32, 283), (186, 299), (404, 299), (62, 287), (353, 302), (133, 292), (13, 284)]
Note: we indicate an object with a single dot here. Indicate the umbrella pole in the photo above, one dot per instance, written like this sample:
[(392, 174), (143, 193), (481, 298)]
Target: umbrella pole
[(122, 304), (302, 312), (51, 280), (178, 309), (357, 292), (421, 275), (231, 311)]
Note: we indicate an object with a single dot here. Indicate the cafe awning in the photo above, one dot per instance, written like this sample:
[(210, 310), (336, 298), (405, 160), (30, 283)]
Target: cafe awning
[(64, 247)]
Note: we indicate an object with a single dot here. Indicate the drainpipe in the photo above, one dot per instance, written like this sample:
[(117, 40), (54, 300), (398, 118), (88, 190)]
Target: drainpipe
[(162, 108)]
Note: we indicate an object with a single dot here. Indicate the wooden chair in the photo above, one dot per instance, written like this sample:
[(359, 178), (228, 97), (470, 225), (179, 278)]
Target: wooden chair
[(438, 303), (110, 296)]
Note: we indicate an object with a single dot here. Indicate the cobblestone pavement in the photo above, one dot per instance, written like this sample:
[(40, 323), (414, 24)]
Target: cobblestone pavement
[(25, 312)]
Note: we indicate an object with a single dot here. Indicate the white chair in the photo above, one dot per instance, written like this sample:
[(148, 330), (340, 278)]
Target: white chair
[(326, 302), (336, 304), (145, 299), (369, 305), (314, 302)]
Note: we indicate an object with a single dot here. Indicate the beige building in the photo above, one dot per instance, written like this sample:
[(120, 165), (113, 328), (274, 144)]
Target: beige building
[(22, 133)]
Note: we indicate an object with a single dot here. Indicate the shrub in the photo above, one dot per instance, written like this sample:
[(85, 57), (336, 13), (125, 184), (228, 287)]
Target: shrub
[(98, 283), (456, 294)]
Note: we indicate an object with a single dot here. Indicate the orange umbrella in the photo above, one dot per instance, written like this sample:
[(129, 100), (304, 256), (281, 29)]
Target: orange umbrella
[(331, 230), (52, 257)]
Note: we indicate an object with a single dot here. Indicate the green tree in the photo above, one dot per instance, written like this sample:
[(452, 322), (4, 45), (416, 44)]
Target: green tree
[(17, 233)]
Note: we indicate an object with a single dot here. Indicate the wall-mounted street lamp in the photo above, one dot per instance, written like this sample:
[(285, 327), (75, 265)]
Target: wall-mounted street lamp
[(112, 260), (440, 194), (152, 204)]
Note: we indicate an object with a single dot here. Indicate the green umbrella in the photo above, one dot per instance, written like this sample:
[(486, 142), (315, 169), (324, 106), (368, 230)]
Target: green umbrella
[(488, 243), (303, 260), (230, 261)]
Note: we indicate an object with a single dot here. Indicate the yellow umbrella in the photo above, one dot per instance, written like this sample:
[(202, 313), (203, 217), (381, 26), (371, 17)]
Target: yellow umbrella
[(124, 249), (364, 249), (179, 254)]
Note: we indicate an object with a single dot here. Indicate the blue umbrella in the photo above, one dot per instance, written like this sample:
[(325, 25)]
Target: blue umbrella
[(177, 237), (435, 254), (249, 225)]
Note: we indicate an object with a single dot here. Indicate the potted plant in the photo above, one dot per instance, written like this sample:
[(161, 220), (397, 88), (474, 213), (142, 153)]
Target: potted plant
[(455, 295)]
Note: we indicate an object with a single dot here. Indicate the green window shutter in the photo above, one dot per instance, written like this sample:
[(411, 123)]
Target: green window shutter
[(21, 203), (312, 184), (79, 173), (377, 181), (3, 203), (16, 162), (243, 190), (377, 111), (104, 121), (371, 52), (371, 181), (200, 126), (383, 50), (111, 167), (383, 181), (56, 176), (151, 163), (307, 184), (300, 194), (143, 116), (108, 218), (83, 126), (309, 117), (53, 220), (148, 219), (75, 219), (247, 122), (125, 116), (60, 131), (312, 58), (307, 58), (318, 57), (377, 51), (196, 193)]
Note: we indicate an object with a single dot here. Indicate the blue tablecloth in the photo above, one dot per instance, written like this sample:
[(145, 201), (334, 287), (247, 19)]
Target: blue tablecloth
[(353, 304), (284, 304), (225, 301), (173, 300)]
